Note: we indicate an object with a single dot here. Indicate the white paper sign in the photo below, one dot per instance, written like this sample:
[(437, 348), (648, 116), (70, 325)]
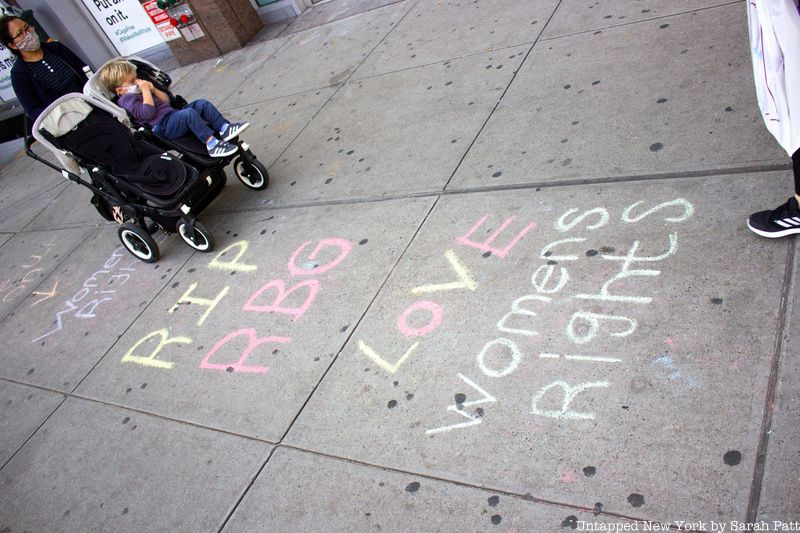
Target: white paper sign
[(126, 24), (6, 61), (168, 31), (192, 32)]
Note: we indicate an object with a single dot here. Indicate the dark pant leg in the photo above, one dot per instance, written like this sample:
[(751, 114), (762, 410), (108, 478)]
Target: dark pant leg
[(209, 113), (796, 170)]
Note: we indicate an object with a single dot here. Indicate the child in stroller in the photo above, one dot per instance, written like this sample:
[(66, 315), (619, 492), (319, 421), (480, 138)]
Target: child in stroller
[(250, 171), (149, 105), (131, 179)]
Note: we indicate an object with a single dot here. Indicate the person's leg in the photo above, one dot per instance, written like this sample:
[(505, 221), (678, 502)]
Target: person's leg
[(209, 113), (785, 219), (180, 122), (796, 170), (227, 130)]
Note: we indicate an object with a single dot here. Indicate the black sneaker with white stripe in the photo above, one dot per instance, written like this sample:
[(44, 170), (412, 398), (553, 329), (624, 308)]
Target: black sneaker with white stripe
[(780, 222), (222, 149), (233, 129)]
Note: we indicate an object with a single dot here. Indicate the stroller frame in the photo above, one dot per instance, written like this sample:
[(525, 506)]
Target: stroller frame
[(246, 166), (131, 205)]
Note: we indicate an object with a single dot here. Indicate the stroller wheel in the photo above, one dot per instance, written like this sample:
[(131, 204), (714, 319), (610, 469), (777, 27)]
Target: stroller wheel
[(138, 242), (203, 241), (257, 179)]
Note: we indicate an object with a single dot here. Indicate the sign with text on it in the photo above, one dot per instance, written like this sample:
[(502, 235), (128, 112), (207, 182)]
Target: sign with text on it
[(126, 23), (6, 61), (161, 20), (192, 32), (168, 31)]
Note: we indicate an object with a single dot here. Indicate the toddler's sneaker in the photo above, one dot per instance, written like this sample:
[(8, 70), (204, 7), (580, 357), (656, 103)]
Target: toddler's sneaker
[(232, 130), (780, 222), (222, 149)]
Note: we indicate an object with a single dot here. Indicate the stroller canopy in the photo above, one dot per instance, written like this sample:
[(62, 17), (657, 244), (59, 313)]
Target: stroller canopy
[(97, 90), (92, 134)]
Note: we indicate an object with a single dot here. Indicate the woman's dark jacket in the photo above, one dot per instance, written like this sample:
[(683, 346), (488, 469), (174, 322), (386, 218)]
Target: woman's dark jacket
[(31, 92)]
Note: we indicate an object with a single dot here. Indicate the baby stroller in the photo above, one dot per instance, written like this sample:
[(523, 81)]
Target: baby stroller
[(250, 171), (131, 179)]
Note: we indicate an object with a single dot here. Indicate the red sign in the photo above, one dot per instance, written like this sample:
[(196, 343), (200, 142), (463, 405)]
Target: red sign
[(156, 13)]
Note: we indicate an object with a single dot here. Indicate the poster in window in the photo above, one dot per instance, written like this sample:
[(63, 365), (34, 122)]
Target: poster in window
[(126, 23)]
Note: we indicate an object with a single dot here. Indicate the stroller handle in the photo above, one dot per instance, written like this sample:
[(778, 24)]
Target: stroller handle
[(29, 140)]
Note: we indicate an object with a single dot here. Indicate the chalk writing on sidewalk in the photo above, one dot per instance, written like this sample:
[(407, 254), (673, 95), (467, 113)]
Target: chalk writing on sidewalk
[(306, 265), (98, 289), (464, 280), (532, 312), (11, 289), (584, 325)]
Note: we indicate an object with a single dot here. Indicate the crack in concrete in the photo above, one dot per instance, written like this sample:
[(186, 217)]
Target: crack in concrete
[(612, 26), (339, 87), (772, 385), (526, 496), (606, 180), (508, 86)]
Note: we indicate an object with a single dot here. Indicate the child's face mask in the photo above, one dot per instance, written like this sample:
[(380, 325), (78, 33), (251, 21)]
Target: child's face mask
[(130, 89)]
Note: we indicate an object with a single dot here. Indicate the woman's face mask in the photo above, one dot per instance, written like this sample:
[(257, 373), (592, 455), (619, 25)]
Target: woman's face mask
[(30, 43)]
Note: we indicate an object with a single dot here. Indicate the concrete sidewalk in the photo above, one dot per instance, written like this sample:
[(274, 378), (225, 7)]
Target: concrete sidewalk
[(501, 281)]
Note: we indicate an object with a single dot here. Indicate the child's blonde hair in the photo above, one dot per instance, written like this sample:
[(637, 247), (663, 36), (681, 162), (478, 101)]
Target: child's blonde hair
[(114, 73)]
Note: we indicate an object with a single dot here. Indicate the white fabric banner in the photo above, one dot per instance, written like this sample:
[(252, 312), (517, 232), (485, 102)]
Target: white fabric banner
[(775, 45), (126, 23), (6, 61)]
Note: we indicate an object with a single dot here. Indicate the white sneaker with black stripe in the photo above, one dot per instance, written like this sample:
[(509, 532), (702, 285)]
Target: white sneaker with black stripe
[(780, 222)]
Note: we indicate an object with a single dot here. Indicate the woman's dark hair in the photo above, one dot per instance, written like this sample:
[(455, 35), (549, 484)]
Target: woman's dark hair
[(5, 33)]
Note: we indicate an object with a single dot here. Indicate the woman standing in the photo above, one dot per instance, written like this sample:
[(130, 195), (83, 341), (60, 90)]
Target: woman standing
[(43, 72), (774, 28)]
